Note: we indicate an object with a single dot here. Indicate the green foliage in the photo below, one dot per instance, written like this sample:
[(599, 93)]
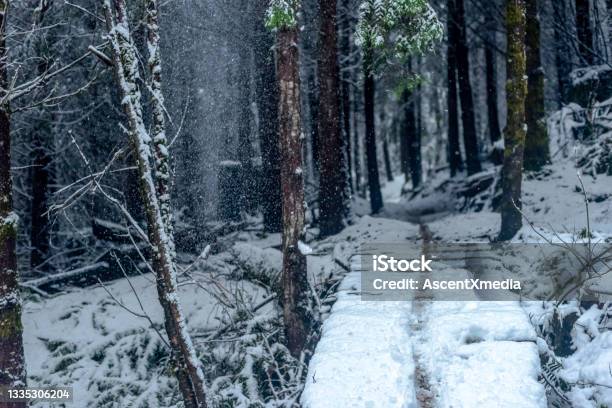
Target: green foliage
[(282, 14), (408, 83), (397, 29)]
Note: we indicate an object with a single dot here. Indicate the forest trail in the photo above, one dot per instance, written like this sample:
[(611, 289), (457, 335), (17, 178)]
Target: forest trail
[(423, 353)]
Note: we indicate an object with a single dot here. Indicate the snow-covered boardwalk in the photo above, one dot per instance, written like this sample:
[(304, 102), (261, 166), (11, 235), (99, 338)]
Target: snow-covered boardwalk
[(364, 358), (474, 354)]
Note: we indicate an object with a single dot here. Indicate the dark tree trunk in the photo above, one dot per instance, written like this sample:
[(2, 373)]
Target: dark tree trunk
[(514, 134), (583, 30), (454, 149), (413, 141), (470, 139), (406, 127), (12, 362), (562, 52), (536, 142), (387, 158), (356, 144), (376, 201), (313, 104), (267, 107), (40, 178), (493, 116), (332, 177), (294, 278), (345, 51)]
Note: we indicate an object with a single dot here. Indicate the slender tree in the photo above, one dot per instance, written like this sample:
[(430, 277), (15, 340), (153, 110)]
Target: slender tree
[(345, 53), (583, 30), (282, 17), (454, 149), (492, 111), (470, 139), (154, 179), (12, 361), (332, 158), (267, 109), (514, 133), (536, 142), (389, 30)]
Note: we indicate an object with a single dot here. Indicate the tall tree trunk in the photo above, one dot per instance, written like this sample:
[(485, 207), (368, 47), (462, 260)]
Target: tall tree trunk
[(387, 158), (345, 51), (514, 134), (376, 201), (470, 139), (454, 149), (583, 30), (562, 52), (536, 142), (492, 112), (406, 126), (332, 177), (267, 108), (294, 279), (188, 371), (413, 141), (356, 143), (12, 361)]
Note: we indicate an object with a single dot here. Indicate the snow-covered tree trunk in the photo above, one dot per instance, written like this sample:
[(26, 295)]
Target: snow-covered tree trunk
[(294, 278), (514, 134), (332, 160), (188, 371), (536, 142), (158, 129), (12, 363)]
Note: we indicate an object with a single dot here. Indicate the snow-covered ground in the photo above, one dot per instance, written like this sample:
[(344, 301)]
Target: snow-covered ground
[(371, 353)]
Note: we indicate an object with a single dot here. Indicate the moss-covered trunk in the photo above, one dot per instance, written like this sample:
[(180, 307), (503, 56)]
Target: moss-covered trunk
[(514, 134)]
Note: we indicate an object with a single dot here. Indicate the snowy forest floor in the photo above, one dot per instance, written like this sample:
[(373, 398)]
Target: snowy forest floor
[(104, 341)]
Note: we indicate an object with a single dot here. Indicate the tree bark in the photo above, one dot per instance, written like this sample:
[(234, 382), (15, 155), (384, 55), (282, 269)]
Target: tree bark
[(492, 112), (294, 279), (583, 30), (12, 361), (332, 167), (536, 142), (376, 201), (413, 141), (470, 139), (454, 149), (188, 371), (267, 108), (345, 51), (245, 148), (514, 134), (562, 52)]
